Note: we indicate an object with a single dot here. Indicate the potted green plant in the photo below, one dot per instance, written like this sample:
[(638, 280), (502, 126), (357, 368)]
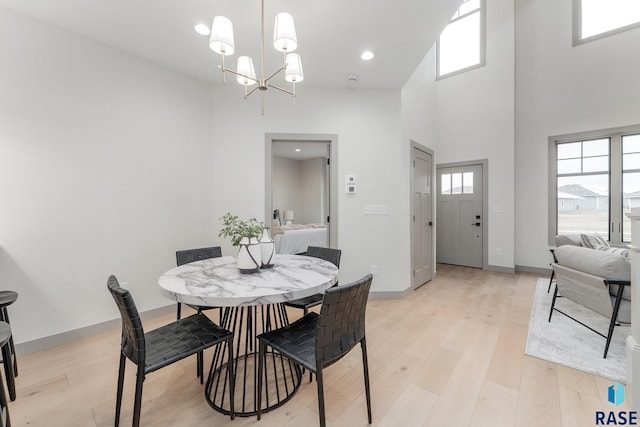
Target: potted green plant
[(244, 234)]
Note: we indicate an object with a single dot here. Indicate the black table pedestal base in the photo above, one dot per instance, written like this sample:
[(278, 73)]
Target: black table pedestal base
[(282, 376)]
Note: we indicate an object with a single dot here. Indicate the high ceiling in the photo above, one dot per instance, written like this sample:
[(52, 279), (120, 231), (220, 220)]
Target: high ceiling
[(331, 33)]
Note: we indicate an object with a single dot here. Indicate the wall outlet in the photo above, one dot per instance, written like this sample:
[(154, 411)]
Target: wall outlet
[(374, 269), (499, 251), (370, 209)]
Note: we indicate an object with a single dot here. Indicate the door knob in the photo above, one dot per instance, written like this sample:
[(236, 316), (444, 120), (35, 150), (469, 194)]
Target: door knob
[(477, 224)]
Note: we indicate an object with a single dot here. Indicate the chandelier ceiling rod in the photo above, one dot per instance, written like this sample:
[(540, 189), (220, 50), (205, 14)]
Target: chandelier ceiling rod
[(284, 40)]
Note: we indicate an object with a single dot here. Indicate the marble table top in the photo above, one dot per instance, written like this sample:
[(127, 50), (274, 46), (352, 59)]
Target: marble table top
[(217, 282)]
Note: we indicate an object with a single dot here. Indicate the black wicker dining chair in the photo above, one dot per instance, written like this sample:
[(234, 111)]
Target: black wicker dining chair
[(162, 346), (191, 255), (5, 340), (316, 341), (327, 254), (9, 359)]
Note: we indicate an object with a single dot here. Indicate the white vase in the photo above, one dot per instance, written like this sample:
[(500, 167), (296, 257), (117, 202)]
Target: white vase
[(267, 249), (249, 257)]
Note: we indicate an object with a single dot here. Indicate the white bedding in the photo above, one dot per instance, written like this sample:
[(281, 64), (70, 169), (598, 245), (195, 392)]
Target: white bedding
[(296, 241)]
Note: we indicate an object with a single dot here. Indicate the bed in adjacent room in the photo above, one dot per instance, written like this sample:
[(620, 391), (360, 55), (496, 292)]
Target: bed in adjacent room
[(296, 238)]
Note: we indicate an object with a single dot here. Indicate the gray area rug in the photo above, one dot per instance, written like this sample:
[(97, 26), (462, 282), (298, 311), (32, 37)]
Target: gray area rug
[(568, 343)]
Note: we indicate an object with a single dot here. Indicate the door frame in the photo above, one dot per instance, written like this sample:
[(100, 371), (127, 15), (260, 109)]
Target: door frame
[(420, 147), (485, 202), (332, 140)]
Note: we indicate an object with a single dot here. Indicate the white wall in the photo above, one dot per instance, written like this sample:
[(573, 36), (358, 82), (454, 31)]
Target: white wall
[(105, 168), (474, 117), (312, 183), (562, 89), (286, 183), (368, 126), (299, 185)]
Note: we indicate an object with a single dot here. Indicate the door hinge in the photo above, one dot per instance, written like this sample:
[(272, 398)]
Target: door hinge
[(414, 273), (328, 162), (327, 219), (414, 163), (414, 218)]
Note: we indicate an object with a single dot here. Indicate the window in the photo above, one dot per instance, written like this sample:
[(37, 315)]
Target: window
[(595, 180), (460, 46), (457, 183), (594, 19)]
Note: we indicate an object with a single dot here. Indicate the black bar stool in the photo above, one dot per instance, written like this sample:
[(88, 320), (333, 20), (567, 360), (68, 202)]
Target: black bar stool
[(9, 359), (5, 338)]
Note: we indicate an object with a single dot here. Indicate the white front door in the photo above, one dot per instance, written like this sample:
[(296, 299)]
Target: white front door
[(422, 221), (459, 215)]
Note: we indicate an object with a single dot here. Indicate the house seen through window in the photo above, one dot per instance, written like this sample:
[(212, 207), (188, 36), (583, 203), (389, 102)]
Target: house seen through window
[(596, 180)]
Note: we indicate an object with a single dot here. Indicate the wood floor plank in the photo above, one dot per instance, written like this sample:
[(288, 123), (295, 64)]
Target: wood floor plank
[(539, 403), (497, 406)]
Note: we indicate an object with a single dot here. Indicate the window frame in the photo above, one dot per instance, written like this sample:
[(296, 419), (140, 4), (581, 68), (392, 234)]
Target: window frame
[(483, 42), (615, 173), (577, 27)]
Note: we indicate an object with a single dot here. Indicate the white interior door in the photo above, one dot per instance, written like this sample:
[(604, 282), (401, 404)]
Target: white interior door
[(459, 214), (422, 224)]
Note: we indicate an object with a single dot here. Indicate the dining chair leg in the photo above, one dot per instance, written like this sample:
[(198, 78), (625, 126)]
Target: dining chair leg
[(137, 404), (232, 379), (8, 371), (178, 311), (5, 318), (199, 364), (261, 359), (120, 385), (365, 365), (323, 421), (4, 405)]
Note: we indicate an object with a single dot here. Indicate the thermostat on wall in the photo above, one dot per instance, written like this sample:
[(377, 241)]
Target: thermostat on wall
[(351, 189)]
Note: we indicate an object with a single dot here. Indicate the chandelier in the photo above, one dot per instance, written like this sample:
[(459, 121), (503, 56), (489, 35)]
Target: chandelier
[(284, 40)]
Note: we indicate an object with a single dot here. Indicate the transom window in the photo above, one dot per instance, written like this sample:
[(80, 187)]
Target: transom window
[(457, 183), (594, 19), (460, 46), (595, 180)]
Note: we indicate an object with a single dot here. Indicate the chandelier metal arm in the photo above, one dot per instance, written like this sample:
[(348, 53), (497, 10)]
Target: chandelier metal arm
[(282, 89), (251, 91), (224, 69), (284, 67)]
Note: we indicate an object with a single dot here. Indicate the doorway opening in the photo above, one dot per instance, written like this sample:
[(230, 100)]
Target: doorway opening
[(300, 190), (461, 212)]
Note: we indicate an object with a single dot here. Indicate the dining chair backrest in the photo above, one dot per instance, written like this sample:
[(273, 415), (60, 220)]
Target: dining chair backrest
[(133, 343), (327, 254), (191, 255), (341, 324)]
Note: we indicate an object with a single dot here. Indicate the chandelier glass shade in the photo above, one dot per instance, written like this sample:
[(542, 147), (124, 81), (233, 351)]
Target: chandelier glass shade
[(284, 40)]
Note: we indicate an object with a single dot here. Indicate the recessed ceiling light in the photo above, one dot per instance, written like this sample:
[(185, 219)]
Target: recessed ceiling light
[(202, 29), (298, 150), (367, 55)]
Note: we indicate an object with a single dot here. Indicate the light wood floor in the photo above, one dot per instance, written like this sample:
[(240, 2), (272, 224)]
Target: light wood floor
[(451, 354)]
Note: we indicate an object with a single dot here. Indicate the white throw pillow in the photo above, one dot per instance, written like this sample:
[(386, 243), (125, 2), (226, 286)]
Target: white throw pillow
[(593, 240)]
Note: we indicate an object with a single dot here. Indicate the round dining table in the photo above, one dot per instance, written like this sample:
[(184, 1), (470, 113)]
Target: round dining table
[(250, 304)]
